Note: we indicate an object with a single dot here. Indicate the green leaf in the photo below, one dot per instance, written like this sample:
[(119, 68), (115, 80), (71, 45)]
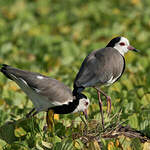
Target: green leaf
[(19, 132), (7, 133), (133, 121)]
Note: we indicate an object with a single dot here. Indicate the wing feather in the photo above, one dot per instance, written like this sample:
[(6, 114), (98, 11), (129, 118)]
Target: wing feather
[(99, 67), (55, 91)]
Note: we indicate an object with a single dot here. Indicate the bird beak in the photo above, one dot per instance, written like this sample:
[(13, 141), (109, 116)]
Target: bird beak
[(131, 48), (85, 114)]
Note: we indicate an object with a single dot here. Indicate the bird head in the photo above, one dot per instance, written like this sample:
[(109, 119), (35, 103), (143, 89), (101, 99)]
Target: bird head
[(122, 45), (83, 104)]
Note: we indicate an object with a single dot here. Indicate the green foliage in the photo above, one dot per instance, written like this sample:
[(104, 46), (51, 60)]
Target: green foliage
[(53, 37)]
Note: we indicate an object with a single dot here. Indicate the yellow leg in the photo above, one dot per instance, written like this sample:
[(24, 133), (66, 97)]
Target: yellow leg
[(50, 120)]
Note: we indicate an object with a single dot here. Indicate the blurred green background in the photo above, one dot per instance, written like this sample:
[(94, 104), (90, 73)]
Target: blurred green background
[(53, 37)]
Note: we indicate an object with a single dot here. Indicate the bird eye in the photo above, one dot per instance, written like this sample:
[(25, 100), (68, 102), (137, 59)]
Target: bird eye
[(122, 44), (86, 103)]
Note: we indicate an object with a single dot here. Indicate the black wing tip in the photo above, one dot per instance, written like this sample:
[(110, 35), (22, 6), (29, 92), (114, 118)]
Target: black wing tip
[(4, 67), (4, 70)]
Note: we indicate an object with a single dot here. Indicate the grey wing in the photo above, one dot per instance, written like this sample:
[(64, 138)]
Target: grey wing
[(55, 91), (92, 71), (99, 67)]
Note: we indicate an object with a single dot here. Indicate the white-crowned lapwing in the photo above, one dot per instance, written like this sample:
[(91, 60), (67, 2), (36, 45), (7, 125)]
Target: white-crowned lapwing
[(103, 67), (47, 94)]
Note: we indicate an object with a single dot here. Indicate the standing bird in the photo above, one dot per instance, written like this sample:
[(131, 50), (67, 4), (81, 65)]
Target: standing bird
[(47, 94), (103, 67)]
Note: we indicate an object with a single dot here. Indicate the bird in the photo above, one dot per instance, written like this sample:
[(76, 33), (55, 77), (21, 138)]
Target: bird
[(103, 67), (47, 94)]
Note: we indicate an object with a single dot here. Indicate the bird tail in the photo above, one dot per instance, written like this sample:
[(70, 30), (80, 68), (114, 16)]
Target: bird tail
[(77, 90), (5, 71)]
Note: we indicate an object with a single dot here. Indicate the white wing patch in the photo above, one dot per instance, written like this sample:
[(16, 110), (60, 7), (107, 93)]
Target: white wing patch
[(40, 77), (64, 103), (111, 81)]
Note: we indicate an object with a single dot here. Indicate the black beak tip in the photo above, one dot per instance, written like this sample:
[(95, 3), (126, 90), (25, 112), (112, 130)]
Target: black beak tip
[(131, 48), (136, 50)]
